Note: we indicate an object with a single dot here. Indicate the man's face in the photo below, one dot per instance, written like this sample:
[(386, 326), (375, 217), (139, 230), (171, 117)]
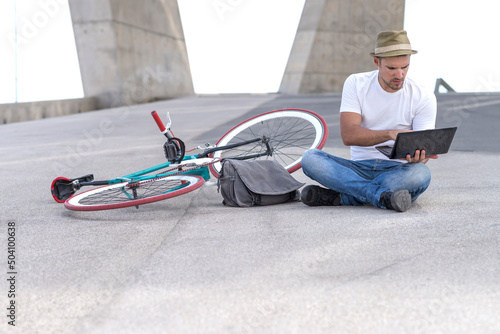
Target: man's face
[(392, 72)]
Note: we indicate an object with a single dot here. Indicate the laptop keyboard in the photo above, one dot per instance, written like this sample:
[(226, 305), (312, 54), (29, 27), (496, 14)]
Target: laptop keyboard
[(385, 150)]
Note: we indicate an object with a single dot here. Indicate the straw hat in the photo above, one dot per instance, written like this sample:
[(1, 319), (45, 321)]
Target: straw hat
[(392, 43)]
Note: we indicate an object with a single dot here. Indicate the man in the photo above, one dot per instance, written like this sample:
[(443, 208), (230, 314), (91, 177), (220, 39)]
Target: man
[(375, 107)]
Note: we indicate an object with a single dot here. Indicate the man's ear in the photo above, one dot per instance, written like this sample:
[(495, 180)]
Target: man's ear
[(376, 61)]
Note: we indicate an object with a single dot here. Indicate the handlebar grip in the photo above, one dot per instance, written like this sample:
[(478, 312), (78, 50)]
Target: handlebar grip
[(158, 121)]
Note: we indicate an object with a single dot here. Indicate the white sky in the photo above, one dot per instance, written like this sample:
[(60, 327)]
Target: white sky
[(47, 64), (239, 46), (242, 46), (457, 40)]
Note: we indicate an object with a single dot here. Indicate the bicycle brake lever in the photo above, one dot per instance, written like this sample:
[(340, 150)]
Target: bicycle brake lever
[(169, 121)]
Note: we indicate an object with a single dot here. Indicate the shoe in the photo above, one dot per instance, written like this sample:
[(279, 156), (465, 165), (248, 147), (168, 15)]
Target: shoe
[(399, 200), (316, 196)]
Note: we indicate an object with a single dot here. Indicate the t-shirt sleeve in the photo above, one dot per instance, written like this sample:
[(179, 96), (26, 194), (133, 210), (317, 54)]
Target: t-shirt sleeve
[(350, 101), (425, 116)]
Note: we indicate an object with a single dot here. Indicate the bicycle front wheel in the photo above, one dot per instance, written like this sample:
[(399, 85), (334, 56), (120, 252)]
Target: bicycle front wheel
[(290, 133), (125, 194)]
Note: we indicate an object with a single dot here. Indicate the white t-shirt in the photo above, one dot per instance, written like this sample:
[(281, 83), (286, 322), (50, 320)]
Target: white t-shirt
[(410, 108)]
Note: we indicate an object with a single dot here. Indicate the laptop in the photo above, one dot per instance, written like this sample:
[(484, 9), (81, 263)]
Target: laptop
[(435, 141)]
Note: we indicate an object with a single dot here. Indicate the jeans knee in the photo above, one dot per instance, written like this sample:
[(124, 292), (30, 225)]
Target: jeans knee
[(307, 159), (421, 175), (424, 172), (311, 160)]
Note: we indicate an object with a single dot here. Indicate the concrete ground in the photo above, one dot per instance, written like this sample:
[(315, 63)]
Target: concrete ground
[(191, 265)]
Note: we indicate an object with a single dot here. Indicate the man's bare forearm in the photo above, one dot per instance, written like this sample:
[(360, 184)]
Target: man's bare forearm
[(355, 135)]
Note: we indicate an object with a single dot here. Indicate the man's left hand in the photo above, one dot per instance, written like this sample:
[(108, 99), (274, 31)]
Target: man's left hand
[(420, 157)]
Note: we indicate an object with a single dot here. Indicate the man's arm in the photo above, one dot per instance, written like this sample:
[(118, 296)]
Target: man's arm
[(353, 134)]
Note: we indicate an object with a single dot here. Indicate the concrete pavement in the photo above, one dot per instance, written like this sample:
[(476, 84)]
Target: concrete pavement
[(191, 265)]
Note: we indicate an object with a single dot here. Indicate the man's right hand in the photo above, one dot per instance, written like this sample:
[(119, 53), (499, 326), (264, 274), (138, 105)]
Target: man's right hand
[(394, 133)]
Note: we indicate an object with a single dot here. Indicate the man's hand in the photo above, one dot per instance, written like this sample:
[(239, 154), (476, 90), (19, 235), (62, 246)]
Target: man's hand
[(420, 157)]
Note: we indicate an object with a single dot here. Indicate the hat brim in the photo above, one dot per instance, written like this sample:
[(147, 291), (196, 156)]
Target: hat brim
[(394, 53)]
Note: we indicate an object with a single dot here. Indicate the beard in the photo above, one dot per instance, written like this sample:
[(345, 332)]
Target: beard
[(394, 84)]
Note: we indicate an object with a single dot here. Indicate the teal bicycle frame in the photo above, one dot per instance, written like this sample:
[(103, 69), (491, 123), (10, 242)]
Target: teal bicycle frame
[(141, 175)]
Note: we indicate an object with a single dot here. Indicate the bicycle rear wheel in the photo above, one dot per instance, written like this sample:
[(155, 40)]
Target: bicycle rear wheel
[(290, 133), (125, 194)]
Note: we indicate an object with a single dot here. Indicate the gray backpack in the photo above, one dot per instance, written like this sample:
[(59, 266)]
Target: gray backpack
[(256, 182)]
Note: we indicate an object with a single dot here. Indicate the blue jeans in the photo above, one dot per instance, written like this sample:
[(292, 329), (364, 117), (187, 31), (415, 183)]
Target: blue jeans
[(362, 182)]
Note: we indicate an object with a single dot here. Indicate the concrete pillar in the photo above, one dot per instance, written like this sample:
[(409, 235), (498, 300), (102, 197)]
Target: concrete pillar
[(130, 51), (334, 39)]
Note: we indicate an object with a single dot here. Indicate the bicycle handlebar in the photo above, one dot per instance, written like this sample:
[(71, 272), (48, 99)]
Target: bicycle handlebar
[(158, 121)]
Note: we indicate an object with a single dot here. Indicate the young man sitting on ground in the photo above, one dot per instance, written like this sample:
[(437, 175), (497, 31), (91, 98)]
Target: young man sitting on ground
[(375, 107)]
